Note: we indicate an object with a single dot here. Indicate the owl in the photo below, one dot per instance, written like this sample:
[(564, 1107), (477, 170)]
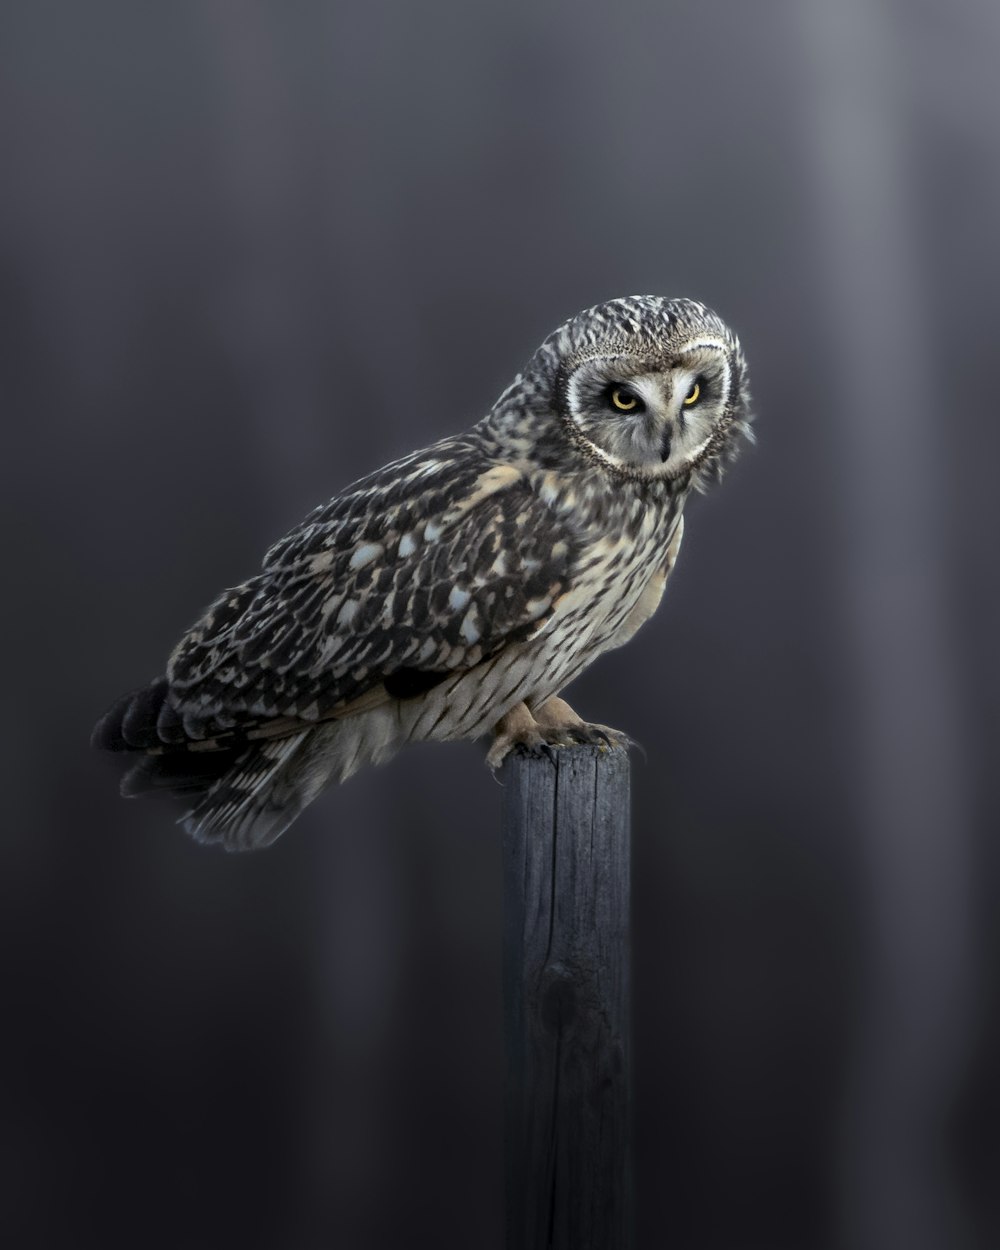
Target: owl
[(456, 591)]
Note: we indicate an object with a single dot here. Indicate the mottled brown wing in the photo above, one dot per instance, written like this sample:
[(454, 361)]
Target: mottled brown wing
[(428, 567)]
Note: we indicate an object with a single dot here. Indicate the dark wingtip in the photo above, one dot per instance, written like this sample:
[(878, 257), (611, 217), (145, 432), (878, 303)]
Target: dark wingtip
[(107, 734), (181, 773), (130, 724)]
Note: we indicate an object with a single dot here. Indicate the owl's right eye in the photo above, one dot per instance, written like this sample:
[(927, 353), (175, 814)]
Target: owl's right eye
[(624, 399)]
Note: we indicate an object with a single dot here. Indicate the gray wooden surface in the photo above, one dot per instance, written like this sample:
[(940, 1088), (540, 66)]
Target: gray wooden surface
[(566, 1000)]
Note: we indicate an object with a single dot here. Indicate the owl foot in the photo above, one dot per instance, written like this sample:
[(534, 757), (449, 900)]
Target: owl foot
[(557, 717), (555, 724), (516, 731)]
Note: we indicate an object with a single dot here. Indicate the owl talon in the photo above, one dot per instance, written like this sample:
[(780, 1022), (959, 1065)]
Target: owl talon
[(602, 736)]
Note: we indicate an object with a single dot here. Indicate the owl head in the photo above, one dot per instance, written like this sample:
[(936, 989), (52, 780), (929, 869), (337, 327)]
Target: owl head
[(648, 387)]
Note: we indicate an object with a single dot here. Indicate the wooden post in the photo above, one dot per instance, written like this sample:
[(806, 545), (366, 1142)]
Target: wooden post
[(566, 849)]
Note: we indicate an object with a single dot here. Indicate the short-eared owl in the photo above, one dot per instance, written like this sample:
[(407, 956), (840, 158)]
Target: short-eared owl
[(455, 591)]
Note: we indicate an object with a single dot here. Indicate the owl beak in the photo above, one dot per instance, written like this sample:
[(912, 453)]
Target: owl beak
[(665, 445)]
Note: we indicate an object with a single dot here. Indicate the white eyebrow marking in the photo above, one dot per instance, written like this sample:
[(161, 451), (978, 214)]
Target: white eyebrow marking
[(645, 385)]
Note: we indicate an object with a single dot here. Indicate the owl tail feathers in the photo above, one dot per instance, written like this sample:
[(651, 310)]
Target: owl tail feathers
[(244, 798), (253, 802), (241, 794), (265, 789)]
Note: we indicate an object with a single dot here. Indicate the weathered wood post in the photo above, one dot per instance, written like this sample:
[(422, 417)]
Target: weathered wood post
[(566, 846)]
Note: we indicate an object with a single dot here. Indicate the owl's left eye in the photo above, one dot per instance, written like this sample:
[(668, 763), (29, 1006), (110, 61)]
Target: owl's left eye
[(624, 399), (694, 394)]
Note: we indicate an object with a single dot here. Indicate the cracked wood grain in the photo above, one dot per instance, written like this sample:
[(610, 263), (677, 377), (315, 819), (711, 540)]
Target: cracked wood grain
[(566, 1000)]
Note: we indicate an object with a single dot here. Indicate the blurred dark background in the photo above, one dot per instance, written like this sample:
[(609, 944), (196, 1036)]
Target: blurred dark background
[(249, 251)]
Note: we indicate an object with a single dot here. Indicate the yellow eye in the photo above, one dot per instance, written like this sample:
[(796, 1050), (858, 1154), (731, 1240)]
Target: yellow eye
[(692, 396), (624, 400)]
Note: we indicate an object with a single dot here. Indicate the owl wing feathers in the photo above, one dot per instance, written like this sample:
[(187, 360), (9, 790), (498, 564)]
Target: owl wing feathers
[(422, 571)]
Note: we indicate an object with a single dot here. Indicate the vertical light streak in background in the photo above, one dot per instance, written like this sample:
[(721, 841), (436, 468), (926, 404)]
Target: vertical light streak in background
[(890, 415), (261, 169), (263, 181)]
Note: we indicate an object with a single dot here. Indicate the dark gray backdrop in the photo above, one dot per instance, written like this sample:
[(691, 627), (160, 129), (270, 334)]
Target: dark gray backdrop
[(249, 251)]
